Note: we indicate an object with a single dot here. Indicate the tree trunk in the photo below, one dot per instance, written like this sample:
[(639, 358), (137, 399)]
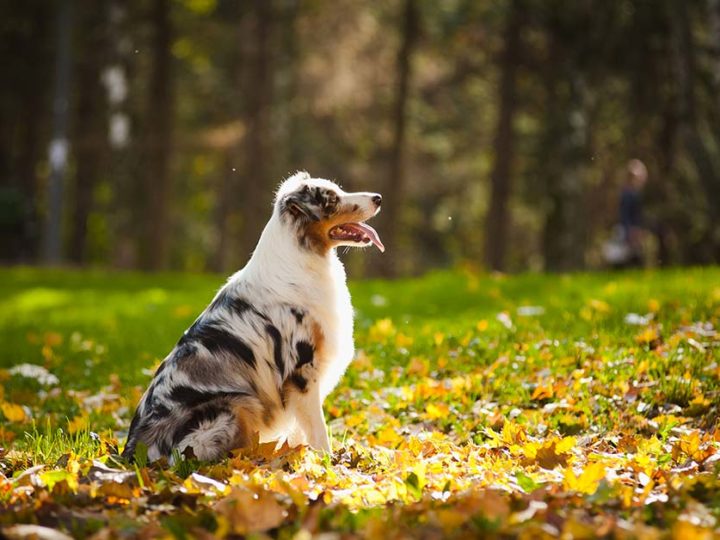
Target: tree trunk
[(155, 234), (34, 115), (562, 159), (59, 145), (498, 218), (257, 148), (89, 125), (395, 188), (116, 77), (222, 214), (684, 62)]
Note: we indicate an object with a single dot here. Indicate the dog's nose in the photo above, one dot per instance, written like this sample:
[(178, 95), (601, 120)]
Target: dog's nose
[(377, 199)]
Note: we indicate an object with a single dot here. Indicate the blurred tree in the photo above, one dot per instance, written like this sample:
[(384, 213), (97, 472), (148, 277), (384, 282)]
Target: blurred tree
[(518, 114), (59, 147), (498, 215), (257, 40), (24, 100), (122, 176), (394, 190), (154, 235), (90, 121), (693, 133)]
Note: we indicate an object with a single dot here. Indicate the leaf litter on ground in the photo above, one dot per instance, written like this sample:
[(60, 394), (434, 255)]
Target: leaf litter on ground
[(578, 419)]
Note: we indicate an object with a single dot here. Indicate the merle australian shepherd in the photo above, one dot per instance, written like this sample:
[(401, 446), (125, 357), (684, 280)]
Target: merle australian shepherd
[(274, 342)]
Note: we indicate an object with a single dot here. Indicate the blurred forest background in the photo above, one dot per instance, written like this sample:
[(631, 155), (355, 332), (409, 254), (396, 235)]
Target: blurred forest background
[(150, 134)]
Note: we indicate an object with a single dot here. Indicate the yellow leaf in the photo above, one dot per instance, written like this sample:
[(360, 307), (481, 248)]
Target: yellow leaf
[(550, 455), (401, 340), (433, 412), (50, 478), (513, 433), (684, 529), (648, 335), (700, 401), (530, 450), (600, 306), (389, 437), (354, 420), (79, 423), (542, 392), (417, 366), (420, 470), (13, 413), (565, 445), (381, 330), (588, 480)]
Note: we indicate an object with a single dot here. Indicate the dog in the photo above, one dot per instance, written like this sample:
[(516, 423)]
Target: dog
[(258, 363)]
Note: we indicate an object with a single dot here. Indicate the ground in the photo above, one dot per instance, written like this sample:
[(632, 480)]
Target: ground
[(532, 406)]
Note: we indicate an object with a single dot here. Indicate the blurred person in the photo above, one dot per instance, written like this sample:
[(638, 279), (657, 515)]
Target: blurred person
[(625, 249)]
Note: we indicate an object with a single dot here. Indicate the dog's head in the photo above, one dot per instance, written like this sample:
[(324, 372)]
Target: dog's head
[(323, 216)]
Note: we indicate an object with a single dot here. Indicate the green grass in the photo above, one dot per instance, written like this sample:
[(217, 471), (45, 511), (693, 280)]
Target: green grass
[(541, 355)]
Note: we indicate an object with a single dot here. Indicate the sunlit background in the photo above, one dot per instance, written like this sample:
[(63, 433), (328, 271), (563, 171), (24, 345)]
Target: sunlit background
[(151, 134)]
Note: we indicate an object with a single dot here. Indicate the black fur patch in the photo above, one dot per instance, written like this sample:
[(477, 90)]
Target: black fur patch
[(160, 411), (299, 381), (150, 397), (193, 328), (190, 397), (221, 301), (164, 447), (299, 315), (327, 199), (311, 204), (240, 306), (184, 351), (129, 449), (134, 423), (305, 353), (216, 339), (277, 347), (225, 300), (160, 368), (204, 414)]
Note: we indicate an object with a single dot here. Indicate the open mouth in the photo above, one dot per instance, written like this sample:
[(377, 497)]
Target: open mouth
[(356, 233)]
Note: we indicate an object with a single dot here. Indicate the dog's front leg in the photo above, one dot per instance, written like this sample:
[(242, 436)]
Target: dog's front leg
[(307, 407)]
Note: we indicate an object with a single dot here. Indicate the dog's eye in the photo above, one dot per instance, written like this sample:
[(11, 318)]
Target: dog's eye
[(328, 199)]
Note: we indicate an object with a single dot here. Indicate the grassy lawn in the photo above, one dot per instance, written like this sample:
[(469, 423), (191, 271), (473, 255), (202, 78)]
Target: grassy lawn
[(580, 405)]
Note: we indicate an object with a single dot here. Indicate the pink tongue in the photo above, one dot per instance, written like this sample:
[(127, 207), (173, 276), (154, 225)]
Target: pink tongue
[(370, 232)]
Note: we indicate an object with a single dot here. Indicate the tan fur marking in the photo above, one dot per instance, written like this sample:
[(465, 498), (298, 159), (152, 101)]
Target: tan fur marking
[(246, 418), (318, 342), (269, 408), (316, 232)]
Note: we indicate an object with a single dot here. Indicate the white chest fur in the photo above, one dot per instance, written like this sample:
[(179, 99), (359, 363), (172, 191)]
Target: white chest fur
[(279, 272)]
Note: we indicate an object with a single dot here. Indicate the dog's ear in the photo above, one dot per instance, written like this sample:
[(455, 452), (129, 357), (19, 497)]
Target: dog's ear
[(301, 205)]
